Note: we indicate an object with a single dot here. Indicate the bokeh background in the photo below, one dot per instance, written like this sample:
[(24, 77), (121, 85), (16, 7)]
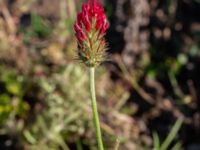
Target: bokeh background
[(148, 90)]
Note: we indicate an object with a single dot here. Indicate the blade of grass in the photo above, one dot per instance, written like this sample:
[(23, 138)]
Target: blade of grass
[(117, 144), (177, 146), (156, 141), (172, 134), (79, 145)]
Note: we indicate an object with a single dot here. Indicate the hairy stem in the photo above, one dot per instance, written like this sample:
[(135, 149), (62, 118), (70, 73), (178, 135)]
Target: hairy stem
[(94, 108)]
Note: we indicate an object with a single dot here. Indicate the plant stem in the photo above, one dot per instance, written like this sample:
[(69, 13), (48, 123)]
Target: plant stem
[(117, 144), (94, 108)]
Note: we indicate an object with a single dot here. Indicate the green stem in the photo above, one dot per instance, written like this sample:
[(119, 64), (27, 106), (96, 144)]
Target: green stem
[(117, 144), (94, 108)]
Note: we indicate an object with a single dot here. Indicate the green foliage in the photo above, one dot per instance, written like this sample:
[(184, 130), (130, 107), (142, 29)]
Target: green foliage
[(169, 139), (11, 95), (65, 114), (5, 107), (39, 26)]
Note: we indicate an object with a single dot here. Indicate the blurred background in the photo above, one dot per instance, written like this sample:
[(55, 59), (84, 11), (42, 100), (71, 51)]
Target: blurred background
[(148, 91)]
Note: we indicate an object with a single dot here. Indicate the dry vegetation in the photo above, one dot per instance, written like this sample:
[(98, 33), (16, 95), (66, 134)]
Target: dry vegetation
[(150, 80)]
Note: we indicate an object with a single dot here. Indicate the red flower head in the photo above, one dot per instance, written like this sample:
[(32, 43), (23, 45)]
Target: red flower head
[(90, 27)]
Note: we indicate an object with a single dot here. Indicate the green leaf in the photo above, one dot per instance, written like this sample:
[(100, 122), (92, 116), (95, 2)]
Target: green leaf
[(177, 146), (4, 99), (171, 136), (156, 141), (13, 88), (29, 137), (39, 26)]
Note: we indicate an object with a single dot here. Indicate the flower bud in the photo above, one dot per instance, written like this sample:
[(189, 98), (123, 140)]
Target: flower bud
[(90, 27)]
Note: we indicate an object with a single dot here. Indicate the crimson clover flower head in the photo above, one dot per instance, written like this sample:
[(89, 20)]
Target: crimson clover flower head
[(90, 27)]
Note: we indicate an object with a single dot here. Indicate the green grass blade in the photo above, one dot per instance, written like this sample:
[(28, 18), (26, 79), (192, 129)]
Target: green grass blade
[(177, 146), (172, 134), (156, 141)]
